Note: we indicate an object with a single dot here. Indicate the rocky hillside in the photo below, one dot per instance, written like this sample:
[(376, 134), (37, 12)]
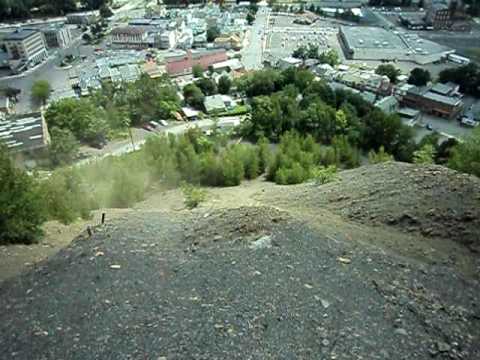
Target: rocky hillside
[(262, 272), (432, 200)]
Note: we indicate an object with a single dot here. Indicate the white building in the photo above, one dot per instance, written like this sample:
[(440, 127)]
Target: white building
[(166, 40), (132, 37), (27, 46), (288, 62), (57, 36)]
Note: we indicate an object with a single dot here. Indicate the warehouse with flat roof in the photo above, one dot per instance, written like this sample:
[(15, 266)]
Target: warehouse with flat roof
[(374, 43)]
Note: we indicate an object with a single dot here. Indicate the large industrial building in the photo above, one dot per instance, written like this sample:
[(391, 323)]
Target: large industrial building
[(27, 46), (373, 43)]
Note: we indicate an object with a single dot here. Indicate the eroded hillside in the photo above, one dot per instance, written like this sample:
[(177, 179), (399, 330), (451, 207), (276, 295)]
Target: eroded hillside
[(345, 270)]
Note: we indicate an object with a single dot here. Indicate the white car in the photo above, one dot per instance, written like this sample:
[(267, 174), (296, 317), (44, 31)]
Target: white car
[(469, 122)]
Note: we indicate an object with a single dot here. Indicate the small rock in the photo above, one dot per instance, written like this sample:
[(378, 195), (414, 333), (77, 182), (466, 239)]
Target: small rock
[(443, 347), (324, 303), (344, 260), (401, 331), (262, 243)]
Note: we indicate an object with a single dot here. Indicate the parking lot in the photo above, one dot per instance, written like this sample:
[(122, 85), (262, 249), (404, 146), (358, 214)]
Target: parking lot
[(284, 36)]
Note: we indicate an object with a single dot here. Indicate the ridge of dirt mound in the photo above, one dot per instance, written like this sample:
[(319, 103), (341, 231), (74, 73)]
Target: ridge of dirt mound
[(431, 200), (243, 224)]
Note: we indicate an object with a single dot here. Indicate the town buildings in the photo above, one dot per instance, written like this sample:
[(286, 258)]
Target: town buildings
[(83, 18), (57, 36), (439, 16), (129, 37), (24, 133), (182, 63), (373, 43), (25, 46), (442, 100), (166, 39), (5, 105)]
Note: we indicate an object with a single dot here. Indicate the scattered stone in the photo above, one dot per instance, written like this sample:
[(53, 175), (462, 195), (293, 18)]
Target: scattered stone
[(443, 346), (325, 303), (344, 260), (401, 331), (262, 243), (41, 333)]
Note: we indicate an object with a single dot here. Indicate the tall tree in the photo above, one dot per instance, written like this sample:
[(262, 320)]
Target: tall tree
[(63, 147), (212, 33), (388, 70), (22, 212), (419, 77), (41, 91), (224, 85)]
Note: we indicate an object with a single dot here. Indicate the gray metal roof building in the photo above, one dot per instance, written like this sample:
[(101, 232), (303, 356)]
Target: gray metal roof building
[(374, 43), (24, 132)]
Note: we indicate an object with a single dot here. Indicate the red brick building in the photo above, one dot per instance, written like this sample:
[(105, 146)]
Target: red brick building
[(434, 100), (182, 64)]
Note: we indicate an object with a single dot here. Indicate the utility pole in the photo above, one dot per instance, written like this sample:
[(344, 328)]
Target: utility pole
[(131, 137)]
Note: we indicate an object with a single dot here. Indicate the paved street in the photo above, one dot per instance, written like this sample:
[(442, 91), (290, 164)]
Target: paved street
[(124, 146), (253, 51), (49, 70)]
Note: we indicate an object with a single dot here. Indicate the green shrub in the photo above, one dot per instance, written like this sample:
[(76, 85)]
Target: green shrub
[(127, 188), (295, 174), (232, 169), (425, 155), (66, 197), (212, 172), (379, 157), (250, 159), (264, 154), (193, 196), (323, 175)]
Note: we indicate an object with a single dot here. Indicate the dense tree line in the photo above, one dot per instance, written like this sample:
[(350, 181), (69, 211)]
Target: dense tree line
[(293, 100), (467, 76), (20, 9), (109, 111)]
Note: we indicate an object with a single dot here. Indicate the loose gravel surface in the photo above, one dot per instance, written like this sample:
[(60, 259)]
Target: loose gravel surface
[(140, 288), (431, 201)]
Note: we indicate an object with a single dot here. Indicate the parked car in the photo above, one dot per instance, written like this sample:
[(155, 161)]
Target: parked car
[(468, 122), (163, 122), (154, 124), (148, 127)]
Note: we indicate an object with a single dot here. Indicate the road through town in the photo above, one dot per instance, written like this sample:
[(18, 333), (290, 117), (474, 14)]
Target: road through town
[(253, 51)]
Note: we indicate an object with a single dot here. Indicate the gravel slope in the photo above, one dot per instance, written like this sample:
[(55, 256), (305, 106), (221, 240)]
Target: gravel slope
[(279, 290), (432, 201)]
